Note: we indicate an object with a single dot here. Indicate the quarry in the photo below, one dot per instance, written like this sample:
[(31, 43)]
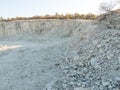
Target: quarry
[(60, 54)]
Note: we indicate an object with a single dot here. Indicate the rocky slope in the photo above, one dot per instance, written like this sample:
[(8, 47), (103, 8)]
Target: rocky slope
[(59, 55), (111, 20)]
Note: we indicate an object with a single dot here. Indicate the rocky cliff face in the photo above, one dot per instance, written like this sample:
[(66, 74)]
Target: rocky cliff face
[(13, 28), (34, 27)]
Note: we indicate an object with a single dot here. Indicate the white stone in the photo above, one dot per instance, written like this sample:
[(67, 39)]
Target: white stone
[(105, 83)]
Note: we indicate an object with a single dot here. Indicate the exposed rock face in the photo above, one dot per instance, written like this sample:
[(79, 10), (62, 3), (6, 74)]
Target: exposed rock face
[(34, 27), (13, 28)]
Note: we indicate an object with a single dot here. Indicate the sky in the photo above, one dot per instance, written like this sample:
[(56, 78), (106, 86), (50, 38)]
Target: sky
[(27, 8)]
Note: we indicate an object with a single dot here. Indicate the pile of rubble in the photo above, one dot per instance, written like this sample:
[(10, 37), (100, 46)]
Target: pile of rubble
[(111, 19), (96, 62)]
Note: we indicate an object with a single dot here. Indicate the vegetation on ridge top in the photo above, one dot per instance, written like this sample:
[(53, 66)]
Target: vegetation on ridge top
[(56, 16)]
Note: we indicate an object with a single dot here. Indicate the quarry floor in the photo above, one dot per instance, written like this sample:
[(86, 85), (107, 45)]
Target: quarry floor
[(28, 65)]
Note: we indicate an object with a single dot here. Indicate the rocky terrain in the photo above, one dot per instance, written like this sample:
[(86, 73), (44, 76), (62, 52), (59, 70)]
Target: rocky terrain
[(59, 55), (111, 20)]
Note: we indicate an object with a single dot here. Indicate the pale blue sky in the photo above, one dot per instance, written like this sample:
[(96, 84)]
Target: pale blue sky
[(13, 8)]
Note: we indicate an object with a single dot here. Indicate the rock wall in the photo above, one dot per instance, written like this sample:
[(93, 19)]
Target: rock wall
[(13, 28), (42, 27)]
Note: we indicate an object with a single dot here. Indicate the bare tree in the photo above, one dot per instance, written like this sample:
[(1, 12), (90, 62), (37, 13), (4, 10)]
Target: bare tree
[(108, 6)]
